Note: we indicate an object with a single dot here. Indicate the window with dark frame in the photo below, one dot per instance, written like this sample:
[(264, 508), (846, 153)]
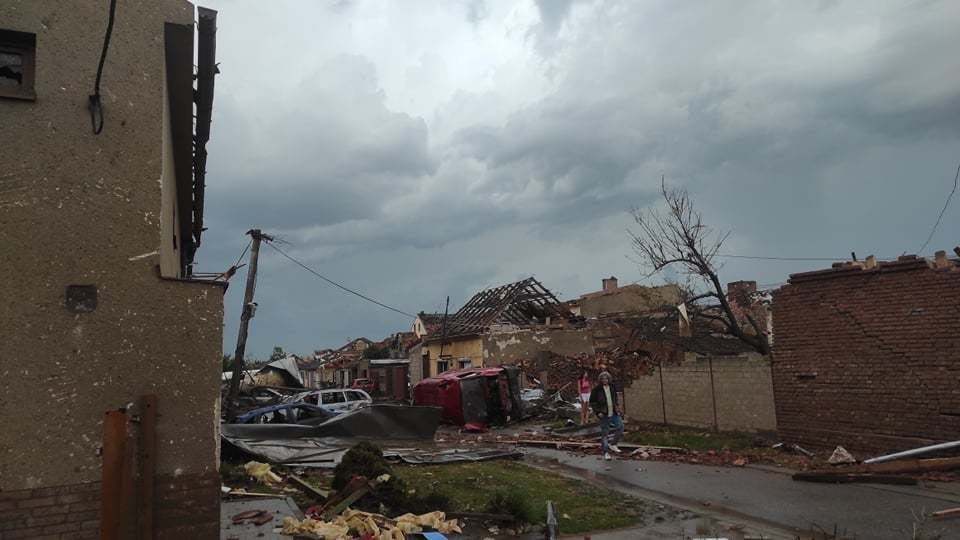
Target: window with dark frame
[(17, 64), (465, 363), (443, 365)]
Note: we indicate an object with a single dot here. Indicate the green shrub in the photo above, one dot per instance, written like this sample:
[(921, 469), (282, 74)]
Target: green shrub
[(510, 502), (364, 459)]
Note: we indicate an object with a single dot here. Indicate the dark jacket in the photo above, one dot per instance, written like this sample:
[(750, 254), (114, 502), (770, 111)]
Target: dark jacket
[(598, 401)]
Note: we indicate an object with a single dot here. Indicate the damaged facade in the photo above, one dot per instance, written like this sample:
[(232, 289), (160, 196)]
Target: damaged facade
[(524, 304), (669, 369), (101, 231), (866, 354)]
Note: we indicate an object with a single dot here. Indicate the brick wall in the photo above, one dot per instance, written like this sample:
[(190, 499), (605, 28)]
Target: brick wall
[(868, 358), (185, 507), (742, 386)]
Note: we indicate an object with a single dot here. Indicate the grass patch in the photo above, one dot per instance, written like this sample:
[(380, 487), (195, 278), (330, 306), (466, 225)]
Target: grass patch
[(478, 487), (691, 439)]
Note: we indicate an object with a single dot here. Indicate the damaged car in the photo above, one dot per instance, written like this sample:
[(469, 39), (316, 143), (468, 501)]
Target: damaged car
[(475, 398), (286, 413), (334, 399)]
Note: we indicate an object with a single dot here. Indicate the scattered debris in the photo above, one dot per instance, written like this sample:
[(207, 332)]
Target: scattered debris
[(261, 471), (324, 445), (257, 517), (794, 447), (371, 525), (420, 457), (840, 456), (560, 444)]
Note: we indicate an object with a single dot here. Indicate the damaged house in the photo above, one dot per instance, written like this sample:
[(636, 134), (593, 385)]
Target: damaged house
[(866, 354), (464, 340), (102, 203), (347, 363), (669, 369)]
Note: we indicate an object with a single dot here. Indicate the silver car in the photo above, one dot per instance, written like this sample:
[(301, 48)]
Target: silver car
[(335, 399)]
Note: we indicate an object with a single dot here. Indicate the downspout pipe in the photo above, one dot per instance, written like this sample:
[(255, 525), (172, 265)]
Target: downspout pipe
[(915, 452)]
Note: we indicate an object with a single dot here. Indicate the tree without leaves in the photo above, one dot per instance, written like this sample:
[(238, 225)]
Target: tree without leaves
[(678, 238)]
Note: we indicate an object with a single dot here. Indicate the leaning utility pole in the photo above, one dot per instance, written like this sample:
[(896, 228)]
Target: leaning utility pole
[(443, 332), (249, 308)]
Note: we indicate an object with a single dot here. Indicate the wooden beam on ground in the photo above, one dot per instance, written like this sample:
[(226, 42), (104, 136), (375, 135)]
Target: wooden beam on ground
[(841, 478), (904, 466), (318, 493)]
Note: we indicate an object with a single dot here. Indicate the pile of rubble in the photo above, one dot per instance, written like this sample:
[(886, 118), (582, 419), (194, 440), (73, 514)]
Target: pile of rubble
[(562, 371)]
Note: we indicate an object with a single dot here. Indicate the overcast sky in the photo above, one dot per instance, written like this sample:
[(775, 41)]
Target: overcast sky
[(414, 150)]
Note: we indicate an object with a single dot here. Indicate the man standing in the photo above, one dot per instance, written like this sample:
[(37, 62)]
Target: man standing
[(603, 401)]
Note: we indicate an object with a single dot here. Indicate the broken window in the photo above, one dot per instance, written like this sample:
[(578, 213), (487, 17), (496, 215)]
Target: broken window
[(17, 52), (332, 397)]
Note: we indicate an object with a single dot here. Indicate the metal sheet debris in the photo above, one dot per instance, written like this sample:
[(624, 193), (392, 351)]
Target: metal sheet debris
[(418, 457), (324, 445)]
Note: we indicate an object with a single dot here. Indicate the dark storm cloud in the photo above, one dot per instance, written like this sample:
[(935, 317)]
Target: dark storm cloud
[(807, 130)]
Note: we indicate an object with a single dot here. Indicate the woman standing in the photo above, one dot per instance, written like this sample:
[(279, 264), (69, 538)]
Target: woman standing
[(583, 388)]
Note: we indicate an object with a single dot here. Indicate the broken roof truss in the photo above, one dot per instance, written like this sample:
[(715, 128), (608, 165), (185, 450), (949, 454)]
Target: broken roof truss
[(522, 303)]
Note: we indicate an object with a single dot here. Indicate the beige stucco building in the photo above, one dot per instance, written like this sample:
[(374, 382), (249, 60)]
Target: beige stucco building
[(98, 234)]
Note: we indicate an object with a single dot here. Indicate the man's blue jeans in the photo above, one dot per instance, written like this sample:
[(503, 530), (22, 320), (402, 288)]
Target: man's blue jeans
[(608, 423)]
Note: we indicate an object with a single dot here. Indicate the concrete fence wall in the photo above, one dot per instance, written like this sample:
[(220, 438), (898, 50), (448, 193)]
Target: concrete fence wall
[(684, 394)]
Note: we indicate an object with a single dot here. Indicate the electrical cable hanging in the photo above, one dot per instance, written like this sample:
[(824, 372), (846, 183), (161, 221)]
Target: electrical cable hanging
[(956, 180), (95, 105), (338, 285)]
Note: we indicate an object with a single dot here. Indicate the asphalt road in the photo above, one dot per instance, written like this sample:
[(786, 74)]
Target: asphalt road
[(863, 511)]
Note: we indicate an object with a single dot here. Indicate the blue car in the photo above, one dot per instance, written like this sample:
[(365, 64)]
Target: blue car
[(286, 413)]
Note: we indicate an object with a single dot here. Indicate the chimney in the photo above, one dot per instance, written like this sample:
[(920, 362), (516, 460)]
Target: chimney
[(610, 284), (941, 260), (737, 288)]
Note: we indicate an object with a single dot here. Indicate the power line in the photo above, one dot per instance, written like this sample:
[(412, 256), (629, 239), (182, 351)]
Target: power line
[(338, 285), (956, 180), (242, 253), (760, 258)]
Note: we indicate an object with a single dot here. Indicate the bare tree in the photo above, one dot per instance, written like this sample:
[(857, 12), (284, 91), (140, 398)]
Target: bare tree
[(678, 238)]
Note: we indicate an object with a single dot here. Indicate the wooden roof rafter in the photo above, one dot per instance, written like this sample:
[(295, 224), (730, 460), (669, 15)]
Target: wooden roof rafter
[(521, 303)]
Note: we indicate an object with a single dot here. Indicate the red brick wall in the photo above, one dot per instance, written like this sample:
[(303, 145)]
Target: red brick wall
[(184, 507), (868, 359)]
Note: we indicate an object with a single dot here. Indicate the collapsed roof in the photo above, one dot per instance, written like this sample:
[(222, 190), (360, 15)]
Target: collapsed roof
[(521, 303)]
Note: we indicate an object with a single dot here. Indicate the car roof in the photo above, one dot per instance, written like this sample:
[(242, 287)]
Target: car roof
[(280, 407)]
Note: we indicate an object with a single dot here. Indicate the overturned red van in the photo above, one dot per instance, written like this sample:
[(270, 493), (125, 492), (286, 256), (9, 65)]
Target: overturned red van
[(473, 397)]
